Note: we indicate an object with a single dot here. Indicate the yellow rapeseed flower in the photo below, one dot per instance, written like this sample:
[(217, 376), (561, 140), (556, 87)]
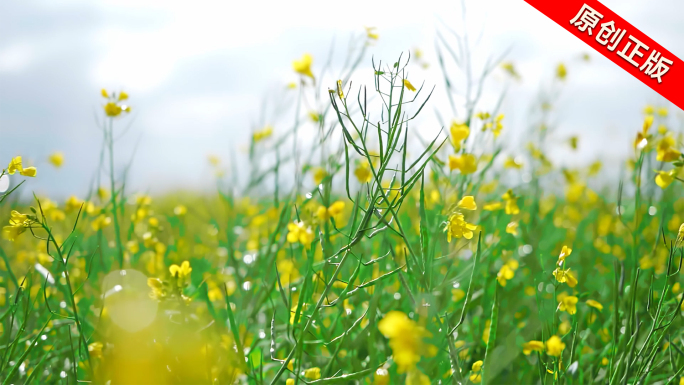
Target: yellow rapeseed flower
[(371, 34), (512, 163), (313, 373), (565, 252), (409, 86), (95, 348), (568, 303), (512, 228), (416, 377), (665, 151), (466, 163), (467, 203), (16, 165), (665, 178), (457, 227), (509, 67), (340, 91), (498, 126), (511, 202), (57, 159), (113, 109), (319, 174), (504, 274), (180, 210), (459, 133), (101, 222), (297, 232), (18, 224), (262, 134), (363, 172), (303, 65), (181, 271), (595, 304), (381, 377), (73, 204), (561, 71), (554, 346), (476, 376), (406, 340), (529, 347), (325, 213), (565, 276), (492, 206)]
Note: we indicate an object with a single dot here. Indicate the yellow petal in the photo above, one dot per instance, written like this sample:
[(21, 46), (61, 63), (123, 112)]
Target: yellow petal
[(467, 203)]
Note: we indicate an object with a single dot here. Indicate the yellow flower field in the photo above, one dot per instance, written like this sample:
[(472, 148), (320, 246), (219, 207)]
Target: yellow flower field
[(365, 253)]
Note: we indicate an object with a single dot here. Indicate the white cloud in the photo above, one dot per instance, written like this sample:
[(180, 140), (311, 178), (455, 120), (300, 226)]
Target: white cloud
[(16, 57)]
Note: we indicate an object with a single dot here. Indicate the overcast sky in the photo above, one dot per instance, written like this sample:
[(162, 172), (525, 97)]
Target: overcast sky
[(197, 72)]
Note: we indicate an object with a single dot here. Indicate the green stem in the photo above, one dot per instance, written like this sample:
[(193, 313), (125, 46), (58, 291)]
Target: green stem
[(117, 230)]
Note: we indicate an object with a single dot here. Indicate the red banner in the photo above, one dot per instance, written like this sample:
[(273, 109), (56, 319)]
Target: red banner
[(621, 42)]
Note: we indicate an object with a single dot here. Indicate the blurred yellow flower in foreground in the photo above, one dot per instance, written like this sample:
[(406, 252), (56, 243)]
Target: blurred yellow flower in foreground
[(406, 340), (57, 159), (303, 65)]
